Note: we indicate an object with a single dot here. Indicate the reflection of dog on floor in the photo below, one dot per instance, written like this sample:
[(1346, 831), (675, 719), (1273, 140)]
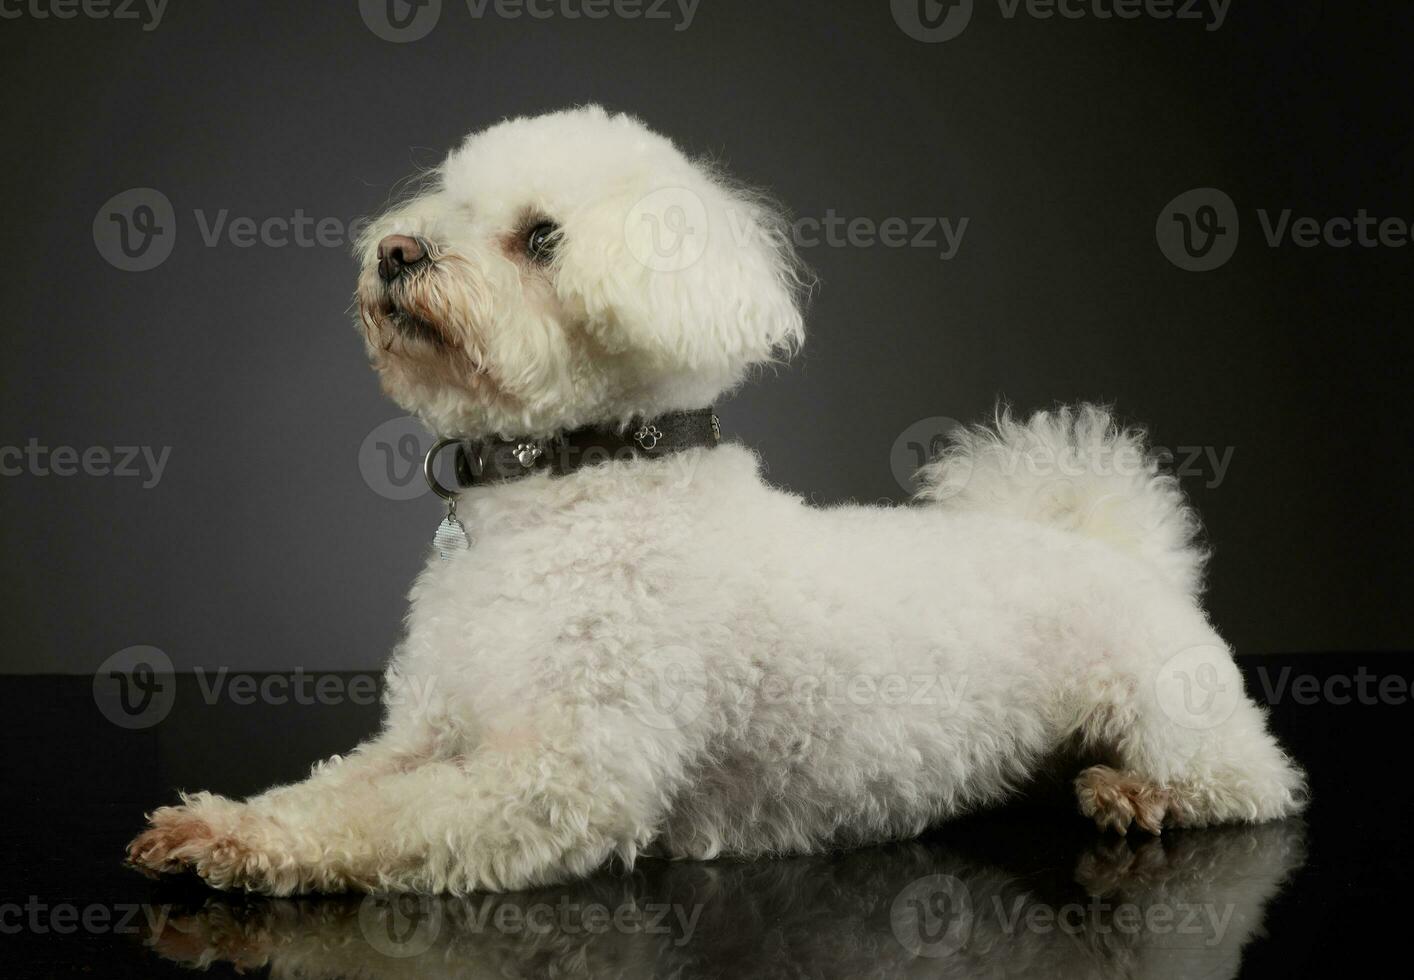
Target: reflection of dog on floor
[(645, 648), (1186, 906)]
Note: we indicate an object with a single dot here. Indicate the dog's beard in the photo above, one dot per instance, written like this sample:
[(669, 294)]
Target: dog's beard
[(412, 327), (470, 346), (421, 339), (403, 315), (436, 311)]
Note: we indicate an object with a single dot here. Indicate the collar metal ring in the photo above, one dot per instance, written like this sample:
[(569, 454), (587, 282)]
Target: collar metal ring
[(429, 469)]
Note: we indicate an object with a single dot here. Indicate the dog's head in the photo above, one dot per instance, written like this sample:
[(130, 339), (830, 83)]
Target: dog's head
[(572, 269)]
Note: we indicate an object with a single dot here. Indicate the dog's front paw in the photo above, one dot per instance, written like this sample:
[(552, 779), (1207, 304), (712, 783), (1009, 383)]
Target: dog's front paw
[(209, 835), (1116, 799)]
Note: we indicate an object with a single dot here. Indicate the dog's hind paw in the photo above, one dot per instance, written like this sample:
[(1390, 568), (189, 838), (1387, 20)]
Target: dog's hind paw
[(1115, 799)]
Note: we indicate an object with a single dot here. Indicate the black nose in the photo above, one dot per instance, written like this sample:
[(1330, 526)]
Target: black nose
[(396, 253)]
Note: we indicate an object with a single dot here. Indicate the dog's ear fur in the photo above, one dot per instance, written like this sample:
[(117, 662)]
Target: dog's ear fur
[(726, 294)]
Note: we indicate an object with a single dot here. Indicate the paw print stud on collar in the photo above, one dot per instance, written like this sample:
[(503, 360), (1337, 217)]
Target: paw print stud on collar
[(647, 437)]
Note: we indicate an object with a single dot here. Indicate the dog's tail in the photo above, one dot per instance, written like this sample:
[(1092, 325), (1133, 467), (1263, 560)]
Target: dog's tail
[(1074, 468)]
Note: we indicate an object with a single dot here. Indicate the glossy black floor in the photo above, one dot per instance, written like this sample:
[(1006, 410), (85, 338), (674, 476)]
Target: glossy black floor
[(1030, 891)]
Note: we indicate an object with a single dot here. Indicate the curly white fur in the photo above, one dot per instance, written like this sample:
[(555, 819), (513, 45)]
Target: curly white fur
[(672, 657), (1074, 468), (1180, 907)]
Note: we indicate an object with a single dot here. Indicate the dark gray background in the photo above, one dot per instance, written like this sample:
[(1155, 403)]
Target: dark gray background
[(263, 546)]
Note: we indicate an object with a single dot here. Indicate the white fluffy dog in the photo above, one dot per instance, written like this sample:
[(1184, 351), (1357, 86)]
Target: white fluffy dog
[(661, 654)]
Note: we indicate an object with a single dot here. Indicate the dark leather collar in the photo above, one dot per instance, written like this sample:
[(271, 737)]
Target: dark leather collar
[(498, 460)]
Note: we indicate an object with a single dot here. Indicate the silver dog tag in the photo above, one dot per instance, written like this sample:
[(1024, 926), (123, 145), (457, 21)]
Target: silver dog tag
[(451, 538)]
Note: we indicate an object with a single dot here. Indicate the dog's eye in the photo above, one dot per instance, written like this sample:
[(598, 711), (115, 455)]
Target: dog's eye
[(540, 243)]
